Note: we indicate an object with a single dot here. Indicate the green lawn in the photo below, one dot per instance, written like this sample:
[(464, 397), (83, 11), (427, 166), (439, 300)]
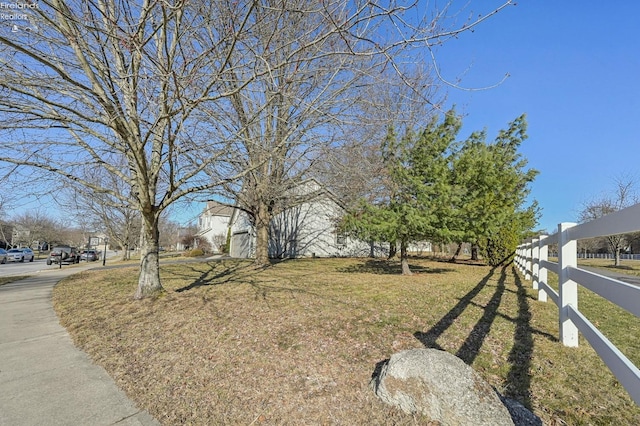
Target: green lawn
[(297, 343)]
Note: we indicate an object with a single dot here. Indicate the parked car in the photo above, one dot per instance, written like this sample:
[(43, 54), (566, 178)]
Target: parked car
[(63, 254), (89, 255), (20, 255), (3, 256)]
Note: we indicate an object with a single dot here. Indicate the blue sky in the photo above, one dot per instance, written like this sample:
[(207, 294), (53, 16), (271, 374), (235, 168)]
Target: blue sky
[(574, 69)]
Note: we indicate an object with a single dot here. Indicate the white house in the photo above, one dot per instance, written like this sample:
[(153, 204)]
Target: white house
[(213, 223), (306, 230), (309, 229)]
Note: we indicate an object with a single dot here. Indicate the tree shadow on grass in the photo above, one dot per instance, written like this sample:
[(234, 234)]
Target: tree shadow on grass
[(459, 261), (390, 267), (234, 272), (518, 380), (221, 272)]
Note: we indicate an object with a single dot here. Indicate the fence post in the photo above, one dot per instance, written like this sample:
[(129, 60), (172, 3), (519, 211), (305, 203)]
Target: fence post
[(527, 261), (543, 253), (568, 289), (535, 261)]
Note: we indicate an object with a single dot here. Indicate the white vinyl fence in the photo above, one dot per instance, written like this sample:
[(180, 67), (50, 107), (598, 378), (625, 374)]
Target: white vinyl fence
[(531, 259)]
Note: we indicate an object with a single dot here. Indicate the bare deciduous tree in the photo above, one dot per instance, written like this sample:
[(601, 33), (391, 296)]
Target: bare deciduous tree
[(40, 228), (169, 233), (354, 171), (623, 195), (173, 86), (299, 80), (102, 212), (95, 81), (219, 242)]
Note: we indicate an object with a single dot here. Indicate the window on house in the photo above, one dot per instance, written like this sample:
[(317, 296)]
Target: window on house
[(341, 239)]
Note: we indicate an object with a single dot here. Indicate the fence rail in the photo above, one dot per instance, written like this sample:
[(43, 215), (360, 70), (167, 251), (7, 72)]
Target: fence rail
[(532, 260)]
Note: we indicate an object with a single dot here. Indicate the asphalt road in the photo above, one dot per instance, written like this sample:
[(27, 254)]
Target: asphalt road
[(629, 279), (40, 265), (28, 268)]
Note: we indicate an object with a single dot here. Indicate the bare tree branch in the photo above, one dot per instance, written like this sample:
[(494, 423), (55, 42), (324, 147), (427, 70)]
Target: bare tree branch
[(200, 97)]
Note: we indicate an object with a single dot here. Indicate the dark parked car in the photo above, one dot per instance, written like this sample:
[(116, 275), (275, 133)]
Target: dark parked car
[(3, 256), (89, 255), (63, 254)]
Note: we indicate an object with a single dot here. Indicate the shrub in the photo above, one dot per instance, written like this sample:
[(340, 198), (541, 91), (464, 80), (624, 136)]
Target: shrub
[(500, 247), (221, 242), (194, 253)]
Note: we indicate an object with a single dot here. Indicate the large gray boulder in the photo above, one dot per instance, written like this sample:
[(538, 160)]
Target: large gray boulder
[(441, 387)]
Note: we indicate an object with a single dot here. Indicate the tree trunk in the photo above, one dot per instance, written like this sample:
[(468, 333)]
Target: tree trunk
[(149, 279), (262, 221), (615, 244), (124, 241), (125, 252), (457, 253), (474, 252), (393, 250), (404, 258), (372, 249)]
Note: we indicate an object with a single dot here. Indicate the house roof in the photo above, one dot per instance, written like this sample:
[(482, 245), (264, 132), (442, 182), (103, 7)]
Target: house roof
[(215, 208), (322, 190)]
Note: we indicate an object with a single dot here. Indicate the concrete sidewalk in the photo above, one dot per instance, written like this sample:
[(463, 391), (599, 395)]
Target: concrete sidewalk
[(44, 378)]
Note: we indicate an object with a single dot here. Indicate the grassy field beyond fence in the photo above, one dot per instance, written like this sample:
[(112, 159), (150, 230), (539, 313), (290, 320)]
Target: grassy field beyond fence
[(629, 267), (297, 343)]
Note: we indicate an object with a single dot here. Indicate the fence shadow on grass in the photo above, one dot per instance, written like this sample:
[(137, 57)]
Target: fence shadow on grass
[(429, 338), (519, 377), (471, 347), (518, 380)]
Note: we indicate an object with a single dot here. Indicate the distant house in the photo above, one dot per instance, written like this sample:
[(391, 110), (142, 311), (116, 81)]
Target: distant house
[(6, 231), (308, 229), (213, 223)]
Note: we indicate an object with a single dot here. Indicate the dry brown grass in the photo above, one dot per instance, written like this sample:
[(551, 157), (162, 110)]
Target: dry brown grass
[(629, 267), (297, 343), (7, 280)]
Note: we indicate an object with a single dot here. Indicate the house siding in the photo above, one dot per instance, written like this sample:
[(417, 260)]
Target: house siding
[(307, 230), (214, 221)]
